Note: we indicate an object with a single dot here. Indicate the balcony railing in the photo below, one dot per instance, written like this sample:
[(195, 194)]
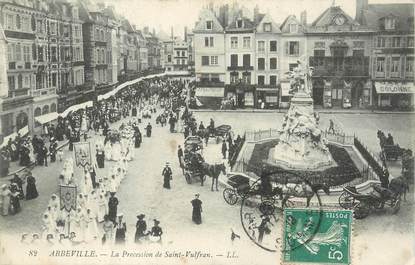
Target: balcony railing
[(19, 92), (44, 92), (340, 66), (240, 68)]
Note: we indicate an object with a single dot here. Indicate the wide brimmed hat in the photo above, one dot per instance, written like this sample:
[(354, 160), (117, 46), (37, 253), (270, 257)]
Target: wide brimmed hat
[(141, 216)]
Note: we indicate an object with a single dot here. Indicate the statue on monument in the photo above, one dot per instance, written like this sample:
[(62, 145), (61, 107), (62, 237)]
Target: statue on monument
[(301, 145)]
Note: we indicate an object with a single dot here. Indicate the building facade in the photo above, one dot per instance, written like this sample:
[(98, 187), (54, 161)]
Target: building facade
[(267, 41), (392, 53), (209, 58), (339, 50)]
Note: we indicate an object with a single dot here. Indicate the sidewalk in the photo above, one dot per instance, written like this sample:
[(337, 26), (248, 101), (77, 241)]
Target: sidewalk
[(16, 168), (319, 110)]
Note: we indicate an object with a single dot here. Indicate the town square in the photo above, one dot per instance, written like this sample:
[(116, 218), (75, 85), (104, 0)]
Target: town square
[(242, 134)]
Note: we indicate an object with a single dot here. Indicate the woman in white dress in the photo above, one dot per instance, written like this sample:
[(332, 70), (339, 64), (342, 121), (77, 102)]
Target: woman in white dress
[(86, 183), (102, 207), (91, 233), (108, 151), (47, 226), (113, 184), (116, 151), (75, 223)]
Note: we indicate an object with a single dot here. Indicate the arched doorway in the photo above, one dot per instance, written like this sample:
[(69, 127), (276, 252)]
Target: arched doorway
[(21, 120), (53, 107), (45, 109), (38, 112)]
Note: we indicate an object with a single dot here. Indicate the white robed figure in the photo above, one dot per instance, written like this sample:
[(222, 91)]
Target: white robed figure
[(91, 232), (82, 224), (75, 224), (84, 124), (102, 207), (116, 151), (86, 183), (93, 203), (67, 171), (108, 151), (48, 226), (113, 184)]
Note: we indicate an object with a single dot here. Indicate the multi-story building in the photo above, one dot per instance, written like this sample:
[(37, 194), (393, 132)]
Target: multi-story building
[(168, 54), (392, 54), (293, 47), (267, 38), (20, 32), (154, 47), (113, 52), (3, 75), (339, 50), (240, 57), (209, 58), (190, 41), (96, 47), (143, 51), (180, 56)]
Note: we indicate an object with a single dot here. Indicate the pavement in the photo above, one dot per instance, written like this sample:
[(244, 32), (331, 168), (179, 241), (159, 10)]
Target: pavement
[(142, 192)]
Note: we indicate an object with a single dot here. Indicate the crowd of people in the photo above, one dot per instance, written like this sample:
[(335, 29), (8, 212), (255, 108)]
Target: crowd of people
[(95, 218)]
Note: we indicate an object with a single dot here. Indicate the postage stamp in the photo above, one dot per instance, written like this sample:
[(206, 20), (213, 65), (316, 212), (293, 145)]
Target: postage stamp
[(330, 244)]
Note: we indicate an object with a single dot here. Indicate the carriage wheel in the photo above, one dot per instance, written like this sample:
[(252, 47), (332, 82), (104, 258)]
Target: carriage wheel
[(379, 205), (361, 211), (230, 196), (396, 205), (188, 178), (346, 201)]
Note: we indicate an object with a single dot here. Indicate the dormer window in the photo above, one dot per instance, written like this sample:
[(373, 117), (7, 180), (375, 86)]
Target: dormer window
[(293, 28), (267, 27), (390, 23), (239, 23), (209, 24)]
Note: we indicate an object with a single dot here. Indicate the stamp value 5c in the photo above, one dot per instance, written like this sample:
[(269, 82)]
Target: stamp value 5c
[(329, 241)]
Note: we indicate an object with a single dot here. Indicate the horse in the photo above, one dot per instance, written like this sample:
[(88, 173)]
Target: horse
[(302, 190), (399, 186), (213, 171)]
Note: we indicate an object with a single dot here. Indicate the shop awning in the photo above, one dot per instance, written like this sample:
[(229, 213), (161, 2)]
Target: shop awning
[(285, 89), (394, 88), (47, 117), (23, 131), (218, 92)]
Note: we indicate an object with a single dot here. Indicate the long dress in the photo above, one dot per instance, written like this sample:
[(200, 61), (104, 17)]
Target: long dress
[(31, 191), (102, 208), (116, 152), (91, 227), (141, 227), (5, 199), (197, 211), (108, 228), (108, 151), (112, 208), (120, 233), (100, 156)]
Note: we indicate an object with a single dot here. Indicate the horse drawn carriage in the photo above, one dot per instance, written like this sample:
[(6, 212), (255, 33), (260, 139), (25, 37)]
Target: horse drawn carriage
[(193, 159), (218, 132), (363, 204)]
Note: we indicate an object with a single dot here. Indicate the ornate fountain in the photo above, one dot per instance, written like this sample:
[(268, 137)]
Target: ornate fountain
[(301, 145)]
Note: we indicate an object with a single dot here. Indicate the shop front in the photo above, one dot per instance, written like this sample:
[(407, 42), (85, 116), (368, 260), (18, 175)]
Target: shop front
[(209, 97), (267, 97), (241, 95), (395, 95)]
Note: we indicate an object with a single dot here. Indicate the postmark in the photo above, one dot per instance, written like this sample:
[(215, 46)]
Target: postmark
[(330, 243), (262, 209)]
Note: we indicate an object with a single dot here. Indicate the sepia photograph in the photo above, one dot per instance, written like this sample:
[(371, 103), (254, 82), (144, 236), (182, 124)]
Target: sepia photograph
[(207, 132)]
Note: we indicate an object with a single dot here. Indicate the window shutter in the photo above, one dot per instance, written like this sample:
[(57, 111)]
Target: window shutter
[(34, 51), (299, 48), (287, 48), (387, 65)]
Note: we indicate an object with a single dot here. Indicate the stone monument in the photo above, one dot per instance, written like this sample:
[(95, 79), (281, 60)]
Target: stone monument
[(301, 145)]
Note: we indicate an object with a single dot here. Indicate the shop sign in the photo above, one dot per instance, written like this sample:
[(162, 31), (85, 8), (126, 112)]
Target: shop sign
[(394, 88), (210, 92)]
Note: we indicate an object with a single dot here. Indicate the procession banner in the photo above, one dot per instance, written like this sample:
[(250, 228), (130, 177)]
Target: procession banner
[(67, 197), (82, 153)]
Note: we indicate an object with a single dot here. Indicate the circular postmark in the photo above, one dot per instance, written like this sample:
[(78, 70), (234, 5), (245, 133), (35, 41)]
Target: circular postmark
[(265, 211)]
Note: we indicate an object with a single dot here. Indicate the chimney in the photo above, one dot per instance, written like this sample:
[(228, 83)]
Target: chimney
[(361, 6), (185, 34), (303, 18), (256, 13), (171, 33)]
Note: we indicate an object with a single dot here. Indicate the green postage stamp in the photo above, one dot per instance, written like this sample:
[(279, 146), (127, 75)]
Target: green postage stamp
[(317, 236)]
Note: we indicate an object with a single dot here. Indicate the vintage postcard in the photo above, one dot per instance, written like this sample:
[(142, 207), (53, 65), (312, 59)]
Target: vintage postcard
[(219, 132)]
